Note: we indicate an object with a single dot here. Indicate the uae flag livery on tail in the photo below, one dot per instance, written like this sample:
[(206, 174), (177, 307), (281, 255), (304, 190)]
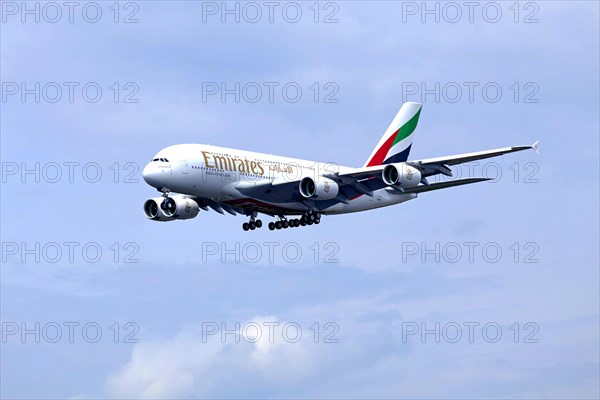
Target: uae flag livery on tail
[(395, 144)]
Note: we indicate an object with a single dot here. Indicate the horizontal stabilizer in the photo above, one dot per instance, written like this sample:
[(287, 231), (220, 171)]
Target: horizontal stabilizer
[(443, 185)]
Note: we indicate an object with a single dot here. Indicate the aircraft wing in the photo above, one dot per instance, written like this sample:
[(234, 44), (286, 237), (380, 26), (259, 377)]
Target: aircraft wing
[(366, 180), (440, 165)]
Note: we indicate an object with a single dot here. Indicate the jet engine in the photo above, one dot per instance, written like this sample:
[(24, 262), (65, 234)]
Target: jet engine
[(176, 207), (401, 174), (324, 189)]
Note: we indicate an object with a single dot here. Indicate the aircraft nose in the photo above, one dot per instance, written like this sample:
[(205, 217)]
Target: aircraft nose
[(149, 174)]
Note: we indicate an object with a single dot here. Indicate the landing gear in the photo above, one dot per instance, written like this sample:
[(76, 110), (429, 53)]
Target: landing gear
[(253, 223), (308, 218), (281, 224), (165, 203)]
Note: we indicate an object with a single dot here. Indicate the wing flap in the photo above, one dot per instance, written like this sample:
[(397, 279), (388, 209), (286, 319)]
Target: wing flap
[(444, 185)]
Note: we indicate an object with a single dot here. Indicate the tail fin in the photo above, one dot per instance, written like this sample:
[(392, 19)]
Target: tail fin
[(395, 144)]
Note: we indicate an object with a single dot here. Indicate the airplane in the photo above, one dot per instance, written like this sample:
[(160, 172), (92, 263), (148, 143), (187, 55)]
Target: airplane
[(248, 183)]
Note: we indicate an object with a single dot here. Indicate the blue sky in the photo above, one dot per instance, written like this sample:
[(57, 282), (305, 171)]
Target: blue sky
[(373, 275)]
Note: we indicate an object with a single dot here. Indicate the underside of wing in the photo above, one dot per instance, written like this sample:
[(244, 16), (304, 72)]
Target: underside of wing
[(362, 181), (218, 206), (444, 185), (276, 191), (244, 206)]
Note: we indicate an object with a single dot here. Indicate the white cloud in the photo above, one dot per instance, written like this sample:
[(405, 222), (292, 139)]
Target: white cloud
[(262, 353)]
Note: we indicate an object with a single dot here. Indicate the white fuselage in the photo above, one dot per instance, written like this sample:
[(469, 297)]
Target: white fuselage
[(212, 172)]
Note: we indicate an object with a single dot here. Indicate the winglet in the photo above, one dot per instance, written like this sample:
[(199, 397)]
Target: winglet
[(536, 146)]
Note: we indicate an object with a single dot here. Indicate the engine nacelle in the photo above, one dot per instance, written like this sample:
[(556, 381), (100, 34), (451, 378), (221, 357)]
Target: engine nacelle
[(177, 207), (401, 174), (324, 189)]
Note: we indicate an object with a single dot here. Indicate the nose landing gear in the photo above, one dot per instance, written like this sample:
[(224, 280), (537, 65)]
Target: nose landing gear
[(165, 203)]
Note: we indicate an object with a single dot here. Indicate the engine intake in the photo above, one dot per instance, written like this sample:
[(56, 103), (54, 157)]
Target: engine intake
[(176, 207), (324, 189), (401, 174)]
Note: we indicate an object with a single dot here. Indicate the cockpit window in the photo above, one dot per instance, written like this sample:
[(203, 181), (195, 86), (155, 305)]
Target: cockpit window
[(166, 160), (156, 159)]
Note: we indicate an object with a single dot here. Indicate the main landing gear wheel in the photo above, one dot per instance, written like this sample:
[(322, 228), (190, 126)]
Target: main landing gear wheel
[(252, 224), (308, 218)]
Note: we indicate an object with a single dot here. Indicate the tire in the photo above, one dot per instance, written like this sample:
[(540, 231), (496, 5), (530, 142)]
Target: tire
[(302, 222), (278, 225), (258, 223), (296, 223), (252, 225), (318, 221), (285, 224), (245, 226), (271, 226)]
